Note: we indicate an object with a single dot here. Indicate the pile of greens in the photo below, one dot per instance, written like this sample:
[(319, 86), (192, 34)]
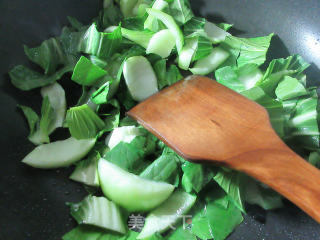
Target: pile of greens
[(133, 49)]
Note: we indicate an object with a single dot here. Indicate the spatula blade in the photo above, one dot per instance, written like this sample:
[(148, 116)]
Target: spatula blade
[(202, 119)]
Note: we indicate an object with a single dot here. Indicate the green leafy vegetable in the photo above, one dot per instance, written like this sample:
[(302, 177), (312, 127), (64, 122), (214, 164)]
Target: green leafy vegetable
[(210, 63), (109, 16), (247, 50), (83, 122), (130, 51), (112, 120), (187, 53), (262, 196), (52, 114), (45, 120), (86, 73), (204, 48), (200, 26), (195, 25), (163, 169), (57, 98), (239, 79), (151, 23), (126, 156), (167, 214), (83, 232), (86, 171), (166, 77), (101, 95), (171, 25), (26, 79), (70, 41), (31, 117), (142, 38), (49, 55), (100, 44), (98, 61), (87, 232), (173, 75), (305, 124), (182, 233), (99, 212), (123, 134), (181, 11), (278, 68), (216, 222), (215, 33), (39, 128), (230, 182), (225, 26), (290, 88), (195, 177), (127, 6)]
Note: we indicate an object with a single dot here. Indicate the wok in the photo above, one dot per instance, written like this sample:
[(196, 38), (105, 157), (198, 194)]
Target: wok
[(32, 202)]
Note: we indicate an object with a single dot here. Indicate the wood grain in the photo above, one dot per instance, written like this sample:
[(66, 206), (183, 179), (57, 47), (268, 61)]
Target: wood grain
[(203, 120)]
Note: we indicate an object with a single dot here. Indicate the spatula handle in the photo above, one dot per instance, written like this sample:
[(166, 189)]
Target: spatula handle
[(287, 173)]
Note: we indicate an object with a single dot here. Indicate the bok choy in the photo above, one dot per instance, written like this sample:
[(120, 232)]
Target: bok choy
[(130, 51)]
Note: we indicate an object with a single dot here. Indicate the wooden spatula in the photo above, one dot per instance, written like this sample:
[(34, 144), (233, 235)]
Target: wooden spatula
[(203, 120)]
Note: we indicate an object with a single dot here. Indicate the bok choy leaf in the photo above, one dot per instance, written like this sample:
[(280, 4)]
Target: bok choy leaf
[(83, 122), (100, 212)]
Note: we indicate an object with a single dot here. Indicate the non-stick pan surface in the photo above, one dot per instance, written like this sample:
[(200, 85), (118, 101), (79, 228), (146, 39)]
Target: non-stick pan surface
[(32, 202)]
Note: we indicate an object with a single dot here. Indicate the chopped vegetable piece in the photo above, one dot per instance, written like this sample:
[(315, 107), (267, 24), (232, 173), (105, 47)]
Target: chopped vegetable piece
[(86, 73), (83, 122), (122, 134), (130, 191), (151, 22), (140, 78), (210, 63), (161, 43), (99, 212), (57, 99), (59, 154), (214, 33), (87, 171), (167, 214), (171, 25), (290, 88)]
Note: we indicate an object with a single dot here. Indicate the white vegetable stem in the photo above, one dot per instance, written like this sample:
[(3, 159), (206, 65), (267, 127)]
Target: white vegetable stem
[(171, 25), (215, 33), (150, 21), (126, 7), (140, 37), (57, 99), (122, 134), (162, 43), (99, 212), (132, 192), (140, 8), (86, 172), (167, 214), (187, 53), (140, 78), (210, 63), (59, 154)]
